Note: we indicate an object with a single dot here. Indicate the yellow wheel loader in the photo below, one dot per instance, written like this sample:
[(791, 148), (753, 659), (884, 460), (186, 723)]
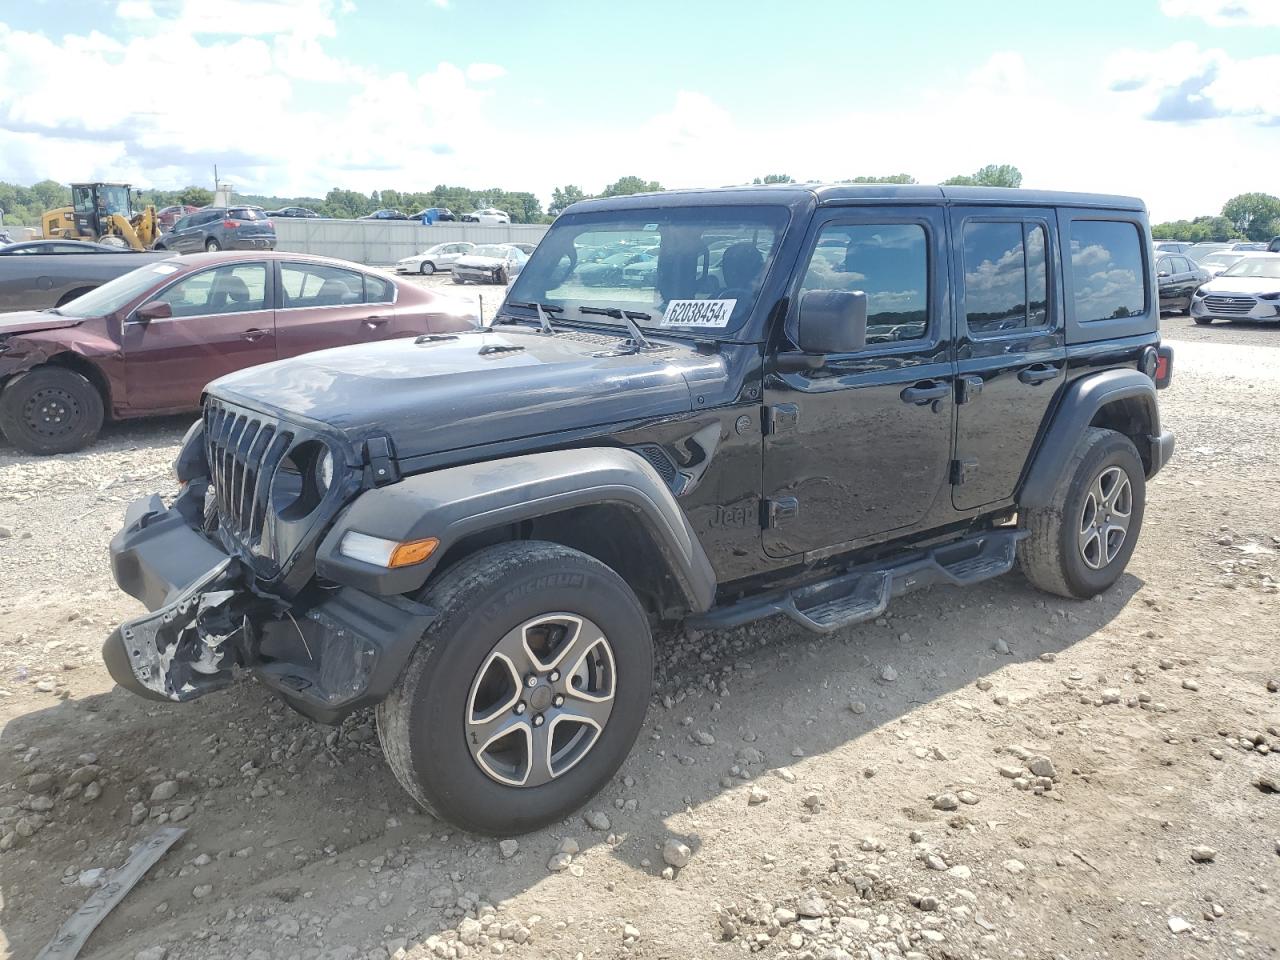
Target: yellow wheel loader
[(103, 212)]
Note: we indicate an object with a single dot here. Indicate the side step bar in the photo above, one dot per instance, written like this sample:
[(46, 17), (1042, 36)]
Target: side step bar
[(864, 594)]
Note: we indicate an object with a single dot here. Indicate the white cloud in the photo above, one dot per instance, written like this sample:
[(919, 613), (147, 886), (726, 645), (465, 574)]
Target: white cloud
[(483, 72), (1226, 13), (1185, 84)]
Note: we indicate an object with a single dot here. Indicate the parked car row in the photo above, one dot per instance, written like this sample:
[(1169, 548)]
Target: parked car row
[(148, 341), (211, 229)]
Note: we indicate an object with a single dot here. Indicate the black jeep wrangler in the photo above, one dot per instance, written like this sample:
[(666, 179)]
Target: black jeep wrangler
[(818, 399)]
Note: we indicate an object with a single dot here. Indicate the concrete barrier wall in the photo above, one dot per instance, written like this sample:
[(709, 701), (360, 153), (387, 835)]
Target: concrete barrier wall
[(381, 242)]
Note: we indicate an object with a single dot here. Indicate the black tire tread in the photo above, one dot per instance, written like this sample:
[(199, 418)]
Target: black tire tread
[(10, 414), (1040, 554), (449, 595)]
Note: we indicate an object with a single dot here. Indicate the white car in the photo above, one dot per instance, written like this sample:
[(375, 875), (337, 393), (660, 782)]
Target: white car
[(490, 263), (1249, 290), (1215, 263), (440, 257), (487, 215)]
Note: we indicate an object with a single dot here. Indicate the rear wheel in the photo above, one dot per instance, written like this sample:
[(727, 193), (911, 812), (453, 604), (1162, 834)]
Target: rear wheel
[(525, 694), (51, 410), (458, 279), (427, 268), (1202, 321), (501, 277), (212, 245), (1080, 542)]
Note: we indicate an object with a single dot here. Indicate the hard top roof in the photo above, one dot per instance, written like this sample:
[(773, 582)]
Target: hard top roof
[(839, 194)]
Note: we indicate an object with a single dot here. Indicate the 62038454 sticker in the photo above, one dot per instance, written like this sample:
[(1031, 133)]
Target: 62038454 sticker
[(698, 313)]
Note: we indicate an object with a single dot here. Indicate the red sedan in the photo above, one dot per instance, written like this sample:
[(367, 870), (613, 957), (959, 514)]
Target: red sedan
[(147, 342)]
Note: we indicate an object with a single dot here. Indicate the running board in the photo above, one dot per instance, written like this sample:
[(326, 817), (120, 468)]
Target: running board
[(864, 594)]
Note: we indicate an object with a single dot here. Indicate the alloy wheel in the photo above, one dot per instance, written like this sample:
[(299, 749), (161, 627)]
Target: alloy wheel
[(541, 700), (1104, 518)]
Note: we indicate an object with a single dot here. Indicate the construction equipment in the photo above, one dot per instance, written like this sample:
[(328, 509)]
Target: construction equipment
[(103, 212)]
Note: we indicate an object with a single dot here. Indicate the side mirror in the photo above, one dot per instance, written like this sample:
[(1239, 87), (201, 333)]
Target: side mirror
[(155, 310), (1163, 273), (832, 321)]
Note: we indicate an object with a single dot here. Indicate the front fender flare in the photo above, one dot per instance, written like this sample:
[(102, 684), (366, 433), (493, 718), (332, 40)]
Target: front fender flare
[(1079, 405), (459, 501)]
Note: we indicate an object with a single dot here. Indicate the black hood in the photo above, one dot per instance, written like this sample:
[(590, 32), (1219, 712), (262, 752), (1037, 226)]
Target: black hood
[(464, 390)]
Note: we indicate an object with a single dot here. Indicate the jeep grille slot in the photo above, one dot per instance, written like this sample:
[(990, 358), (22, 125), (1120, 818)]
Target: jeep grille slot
[(243, 452)]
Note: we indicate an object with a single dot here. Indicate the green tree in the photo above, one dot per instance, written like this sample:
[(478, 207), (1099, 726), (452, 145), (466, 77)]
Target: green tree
[(1253, 214), (992, 175), (774, 178), (195, 196), (625, 186), (891, 178), (562, 197)]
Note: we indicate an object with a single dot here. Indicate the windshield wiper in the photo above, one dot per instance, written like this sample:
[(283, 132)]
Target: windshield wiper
[(543, 309), (627, 317)]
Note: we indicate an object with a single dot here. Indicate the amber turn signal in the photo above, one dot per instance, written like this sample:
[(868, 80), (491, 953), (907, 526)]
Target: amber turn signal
[(414, 551)]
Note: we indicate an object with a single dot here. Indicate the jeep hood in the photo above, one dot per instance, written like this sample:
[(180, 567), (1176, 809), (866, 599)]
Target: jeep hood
[(455, 391), (30, 321)]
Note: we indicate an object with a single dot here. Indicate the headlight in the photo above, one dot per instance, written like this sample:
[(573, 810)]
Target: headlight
[(324, 471)]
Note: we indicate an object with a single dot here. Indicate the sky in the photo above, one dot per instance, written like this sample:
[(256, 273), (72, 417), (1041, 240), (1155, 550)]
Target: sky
[(1175, 101)]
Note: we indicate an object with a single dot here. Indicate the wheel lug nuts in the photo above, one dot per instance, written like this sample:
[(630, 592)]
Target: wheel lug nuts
[(555, 675), (558, 701), (539, 720), (532, 681), (521, 707)]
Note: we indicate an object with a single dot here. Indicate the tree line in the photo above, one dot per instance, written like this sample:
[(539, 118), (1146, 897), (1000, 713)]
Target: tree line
[(1249, 216)]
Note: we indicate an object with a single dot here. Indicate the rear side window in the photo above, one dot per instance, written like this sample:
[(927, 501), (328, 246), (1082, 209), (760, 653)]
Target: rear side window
[(319, 285), (1108, 279), (378, 290), (888, 262), (1005, 279)]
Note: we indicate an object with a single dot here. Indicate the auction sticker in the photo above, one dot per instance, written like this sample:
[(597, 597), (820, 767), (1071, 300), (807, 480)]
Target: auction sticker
[(698, 313)]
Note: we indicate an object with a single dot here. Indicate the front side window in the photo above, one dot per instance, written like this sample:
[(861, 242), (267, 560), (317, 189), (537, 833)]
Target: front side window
[(1106, 270), (1005, 277), (889, 262), (233, 288), (681, 268), (319, 285), (1164, 265)]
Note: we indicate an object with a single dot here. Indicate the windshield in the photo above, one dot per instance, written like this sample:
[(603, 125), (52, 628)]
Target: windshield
[(490, 250), (683, 267), (1220, 259), (114, 294), (1265, 268)]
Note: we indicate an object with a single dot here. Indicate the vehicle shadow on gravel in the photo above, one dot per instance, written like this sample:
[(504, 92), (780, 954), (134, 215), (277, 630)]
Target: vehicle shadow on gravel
[(146, 432), (284, 809)]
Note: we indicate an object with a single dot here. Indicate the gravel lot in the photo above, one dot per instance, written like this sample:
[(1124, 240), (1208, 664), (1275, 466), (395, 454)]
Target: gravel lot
[(982, 773)]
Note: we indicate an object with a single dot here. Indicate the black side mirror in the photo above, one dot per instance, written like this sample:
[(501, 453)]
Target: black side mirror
[(155, 310), (832, 321)]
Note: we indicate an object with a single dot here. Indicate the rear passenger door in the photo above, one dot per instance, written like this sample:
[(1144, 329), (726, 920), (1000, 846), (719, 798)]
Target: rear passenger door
[(1010, 344), (324, 306), (858, 447)]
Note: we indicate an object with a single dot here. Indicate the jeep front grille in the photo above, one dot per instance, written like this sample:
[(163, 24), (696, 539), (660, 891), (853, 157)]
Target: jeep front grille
[(244, 449), (1230, 306)]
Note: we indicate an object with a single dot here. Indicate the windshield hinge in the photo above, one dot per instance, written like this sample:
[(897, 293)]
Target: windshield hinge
[(380, 456)]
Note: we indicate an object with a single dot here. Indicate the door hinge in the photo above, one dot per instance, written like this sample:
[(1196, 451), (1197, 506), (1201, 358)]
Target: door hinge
[(780, 417), (778, 510), (381, 459), (962, 470), (968, 387)]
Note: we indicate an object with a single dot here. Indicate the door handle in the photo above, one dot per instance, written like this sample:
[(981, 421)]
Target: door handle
[(372, 322), (1039, 373), (926, 391), (254, 334)]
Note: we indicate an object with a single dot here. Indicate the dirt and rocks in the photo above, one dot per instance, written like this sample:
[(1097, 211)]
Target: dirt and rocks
[(982, 773)]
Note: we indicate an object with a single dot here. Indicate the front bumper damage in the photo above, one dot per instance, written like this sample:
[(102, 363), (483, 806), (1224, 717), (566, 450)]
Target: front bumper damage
[(328, 651)]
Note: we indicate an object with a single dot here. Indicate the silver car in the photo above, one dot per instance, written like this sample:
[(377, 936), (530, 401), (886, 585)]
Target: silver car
[(490, 263), (438, 258)]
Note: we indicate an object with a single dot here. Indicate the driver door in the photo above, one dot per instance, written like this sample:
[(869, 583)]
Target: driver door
[(222, 321), (859, 447)]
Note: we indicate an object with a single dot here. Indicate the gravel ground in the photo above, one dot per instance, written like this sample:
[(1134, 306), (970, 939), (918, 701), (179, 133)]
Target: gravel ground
[(982, 773)]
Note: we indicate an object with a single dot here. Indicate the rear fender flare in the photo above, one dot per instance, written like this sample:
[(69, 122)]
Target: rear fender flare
[(1080, 404), (457, 502)]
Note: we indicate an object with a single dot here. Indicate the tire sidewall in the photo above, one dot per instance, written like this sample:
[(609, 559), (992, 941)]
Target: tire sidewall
[(1116, 450), (212, 246), (18, 392), (458, 788), (427, 268)]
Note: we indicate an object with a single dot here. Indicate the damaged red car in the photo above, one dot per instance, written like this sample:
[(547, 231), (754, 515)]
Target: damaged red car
[(147, 342)]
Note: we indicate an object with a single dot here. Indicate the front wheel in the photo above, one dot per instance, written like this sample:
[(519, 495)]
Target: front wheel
[(51, 410), (525, 694), (427, 268), (1202, 321), (1080, 542)]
